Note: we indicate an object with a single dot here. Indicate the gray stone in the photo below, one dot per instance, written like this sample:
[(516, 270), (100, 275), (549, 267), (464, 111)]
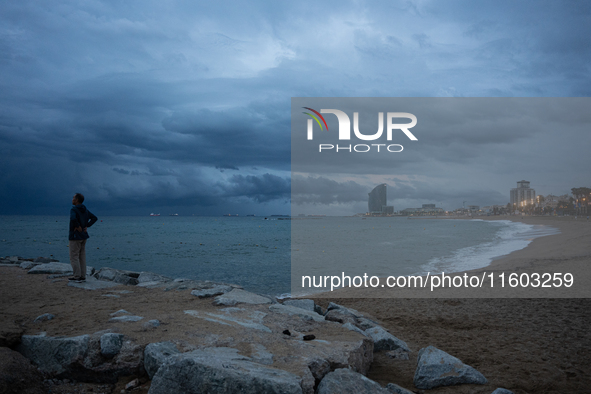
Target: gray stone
[(436, 368), (126, 319), (151, 324), (57, 268), (54, 356), (296, 311), (27, 265), (111, 344), (92, 283), (212, 292), (43, 317), (14, 259), (155, 354), (383, 340), (394, 388), (117, 276), (301, 303), (146, 277), (239, 296), (120, 312), (345, 381), (502, 391), (221, 371)]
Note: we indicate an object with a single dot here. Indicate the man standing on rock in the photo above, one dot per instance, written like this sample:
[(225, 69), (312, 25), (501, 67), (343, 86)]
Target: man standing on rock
[(80, 219)]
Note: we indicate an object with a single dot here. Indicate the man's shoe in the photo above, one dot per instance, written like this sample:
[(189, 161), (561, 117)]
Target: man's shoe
[(82, 280), (72, 278)]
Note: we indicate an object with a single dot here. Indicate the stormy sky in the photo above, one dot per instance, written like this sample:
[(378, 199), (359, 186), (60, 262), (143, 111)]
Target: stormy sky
[(184, 106)]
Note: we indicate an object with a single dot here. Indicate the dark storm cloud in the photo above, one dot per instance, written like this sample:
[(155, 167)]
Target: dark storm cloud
[(264, 188), (192, 98)]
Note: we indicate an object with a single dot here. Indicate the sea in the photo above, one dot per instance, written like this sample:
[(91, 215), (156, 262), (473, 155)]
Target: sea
[(258, 253)]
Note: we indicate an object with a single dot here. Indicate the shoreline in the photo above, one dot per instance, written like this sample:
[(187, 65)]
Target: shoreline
[(524, 345), (566, 252)]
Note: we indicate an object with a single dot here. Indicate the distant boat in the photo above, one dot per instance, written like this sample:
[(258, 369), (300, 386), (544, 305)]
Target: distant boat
[(154, 214), (174, 214)]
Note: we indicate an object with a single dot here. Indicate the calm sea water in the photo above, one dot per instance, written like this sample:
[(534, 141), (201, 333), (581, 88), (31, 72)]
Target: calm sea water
[(258, 254)]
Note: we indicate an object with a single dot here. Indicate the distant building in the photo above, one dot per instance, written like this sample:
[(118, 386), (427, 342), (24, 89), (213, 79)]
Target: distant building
[(377, 202), (473, 207), (552, 201), (426, 210), (523, 194)]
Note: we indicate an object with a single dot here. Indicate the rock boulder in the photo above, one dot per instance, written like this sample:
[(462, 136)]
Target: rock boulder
[(221, 371), (437, 368), (345, 381)]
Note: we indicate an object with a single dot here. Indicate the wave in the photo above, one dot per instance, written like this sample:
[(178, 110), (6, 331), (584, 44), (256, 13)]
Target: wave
[(509, 237)]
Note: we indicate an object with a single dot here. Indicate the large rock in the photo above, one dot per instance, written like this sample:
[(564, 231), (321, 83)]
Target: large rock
[(239, 296), (17, 375), (57, 268), (111, 344), (155, 354), (221, 371), (345, 381), (80, 358), (437, 368), (502, 391), (383, 340), (54, 356), (117, 276)]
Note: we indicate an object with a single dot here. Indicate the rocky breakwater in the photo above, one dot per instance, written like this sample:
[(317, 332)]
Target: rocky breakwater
[(235, 341)]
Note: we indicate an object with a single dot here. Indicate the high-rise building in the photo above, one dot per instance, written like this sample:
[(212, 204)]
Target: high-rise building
[(522, 194), (377, 199), (376, 203)]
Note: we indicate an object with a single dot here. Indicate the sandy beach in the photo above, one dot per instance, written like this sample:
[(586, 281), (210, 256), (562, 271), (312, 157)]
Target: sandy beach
[(527, 345)]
